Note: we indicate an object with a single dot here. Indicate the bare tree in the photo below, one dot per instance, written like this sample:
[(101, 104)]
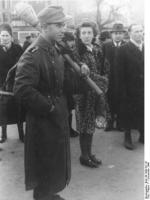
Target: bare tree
[(113, 15)]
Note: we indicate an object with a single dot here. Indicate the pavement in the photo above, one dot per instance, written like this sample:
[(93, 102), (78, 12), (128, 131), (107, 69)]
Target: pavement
[(121, 176)]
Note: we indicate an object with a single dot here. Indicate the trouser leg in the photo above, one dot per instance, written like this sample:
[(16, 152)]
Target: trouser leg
[(4, 133), (141, 138), (128, 140), (20, 131), (73, 133), (41, 192)]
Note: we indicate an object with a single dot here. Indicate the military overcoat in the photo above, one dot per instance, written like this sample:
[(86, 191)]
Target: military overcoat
[(39, 84)]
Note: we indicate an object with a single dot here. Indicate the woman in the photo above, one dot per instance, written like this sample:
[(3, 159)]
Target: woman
[(87, 104), (9, 55)]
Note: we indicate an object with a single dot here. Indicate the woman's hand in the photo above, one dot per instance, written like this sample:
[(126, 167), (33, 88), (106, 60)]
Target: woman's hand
[(85, 72)]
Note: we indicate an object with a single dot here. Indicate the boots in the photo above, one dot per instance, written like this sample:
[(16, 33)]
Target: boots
[(128, 140), (21, 132), (4, 134), (91, 156), (84, 158)]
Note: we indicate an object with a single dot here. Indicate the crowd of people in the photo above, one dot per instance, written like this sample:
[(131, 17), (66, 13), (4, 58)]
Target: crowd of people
[(49, 88)]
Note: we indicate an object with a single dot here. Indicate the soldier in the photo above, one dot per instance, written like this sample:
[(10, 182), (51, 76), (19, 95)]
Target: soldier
[(39, 83)]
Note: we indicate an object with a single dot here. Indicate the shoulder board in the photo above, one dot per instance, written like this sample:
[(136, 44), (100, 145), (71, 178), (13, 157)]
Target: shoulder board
[(33, 49)]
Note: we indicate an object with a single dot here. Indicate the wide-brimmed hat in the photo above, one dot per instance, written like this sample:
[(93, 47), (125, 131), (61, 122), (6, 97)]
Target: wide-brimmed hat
[(52, 15), (118, 27)]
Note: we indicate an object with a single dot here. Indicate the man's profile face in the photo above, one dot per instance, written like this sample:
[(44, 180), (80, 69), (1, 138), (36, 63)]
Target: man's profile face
[(136, 33), (117, 36), (55, 31)]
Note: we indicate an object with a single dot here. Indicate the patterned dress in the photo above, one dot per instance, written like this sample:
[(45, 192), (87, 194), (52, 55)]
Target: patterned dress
[(87, 104)]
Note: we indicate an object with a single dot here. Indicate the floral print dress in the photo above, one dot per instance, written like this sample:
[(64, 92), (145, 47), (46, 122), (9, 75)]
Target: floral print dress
[(87, 104)]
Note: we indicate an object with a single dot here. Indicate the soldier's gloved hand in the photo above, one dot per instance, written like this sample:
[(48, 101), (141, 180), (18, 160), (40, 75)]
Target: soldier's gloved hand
[(85, 72)]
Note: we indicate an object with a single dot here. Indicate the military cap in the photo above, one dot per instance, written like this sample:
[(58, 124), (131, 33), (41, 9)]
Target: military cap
[(52, 15)]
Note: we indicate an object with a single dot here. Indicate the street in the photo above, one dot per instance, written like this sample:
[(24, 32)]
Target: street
[(120, 177)]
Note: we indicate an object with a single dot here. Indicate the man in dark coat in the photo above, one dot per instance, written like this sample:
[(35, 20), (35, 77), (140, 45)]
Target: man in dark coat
[(111, 50), (131, 61), (39, 83)]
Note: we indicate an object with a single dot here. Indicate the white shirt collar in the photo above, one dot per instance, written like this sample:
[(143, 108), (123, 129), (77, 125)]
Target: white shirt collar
[(117, 44), (90, 48), (140, 46)]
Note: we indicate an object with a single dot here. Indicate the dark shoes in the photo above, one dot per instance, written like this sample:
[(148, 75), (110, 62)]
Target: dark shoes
[(128, 145), (95, 160), (73, 133), (88, 163), (91, 162), (128, 141)]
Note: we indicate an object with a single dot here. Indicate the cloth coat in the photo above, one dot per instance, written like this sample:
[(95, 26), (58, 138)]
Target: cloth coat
[(131, 92), (111, 54), (40, 83), (8, 58)]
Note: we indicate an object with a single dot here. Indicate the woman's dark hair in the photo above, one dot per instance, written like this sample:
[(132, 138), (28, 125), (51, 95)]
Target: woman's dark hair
[(80, 45), (6, 27), (87, 24)]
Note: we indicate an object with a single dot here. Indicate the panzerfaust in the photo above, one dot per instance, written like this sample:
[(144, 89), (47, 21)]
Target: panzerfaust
[(27, 14)]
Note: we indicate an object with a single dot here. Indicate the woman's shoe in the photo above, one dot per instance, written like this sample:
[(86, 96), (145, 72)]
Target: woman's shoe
[(88, 162), (95, 160)]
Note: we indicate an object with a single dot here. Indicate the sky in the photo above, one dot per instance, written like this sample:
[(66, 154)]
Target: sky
[(133, 9)]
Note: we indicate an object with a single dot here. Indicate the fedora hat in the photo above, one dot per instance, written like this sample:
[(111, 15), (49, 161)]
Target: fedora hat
[(118, 27)]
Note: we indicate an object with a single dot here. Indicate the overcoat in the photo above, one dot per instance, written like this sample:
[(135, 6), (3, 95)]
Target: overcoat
[(8, 59), (111, 54), (39, 83), (131, 92)]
